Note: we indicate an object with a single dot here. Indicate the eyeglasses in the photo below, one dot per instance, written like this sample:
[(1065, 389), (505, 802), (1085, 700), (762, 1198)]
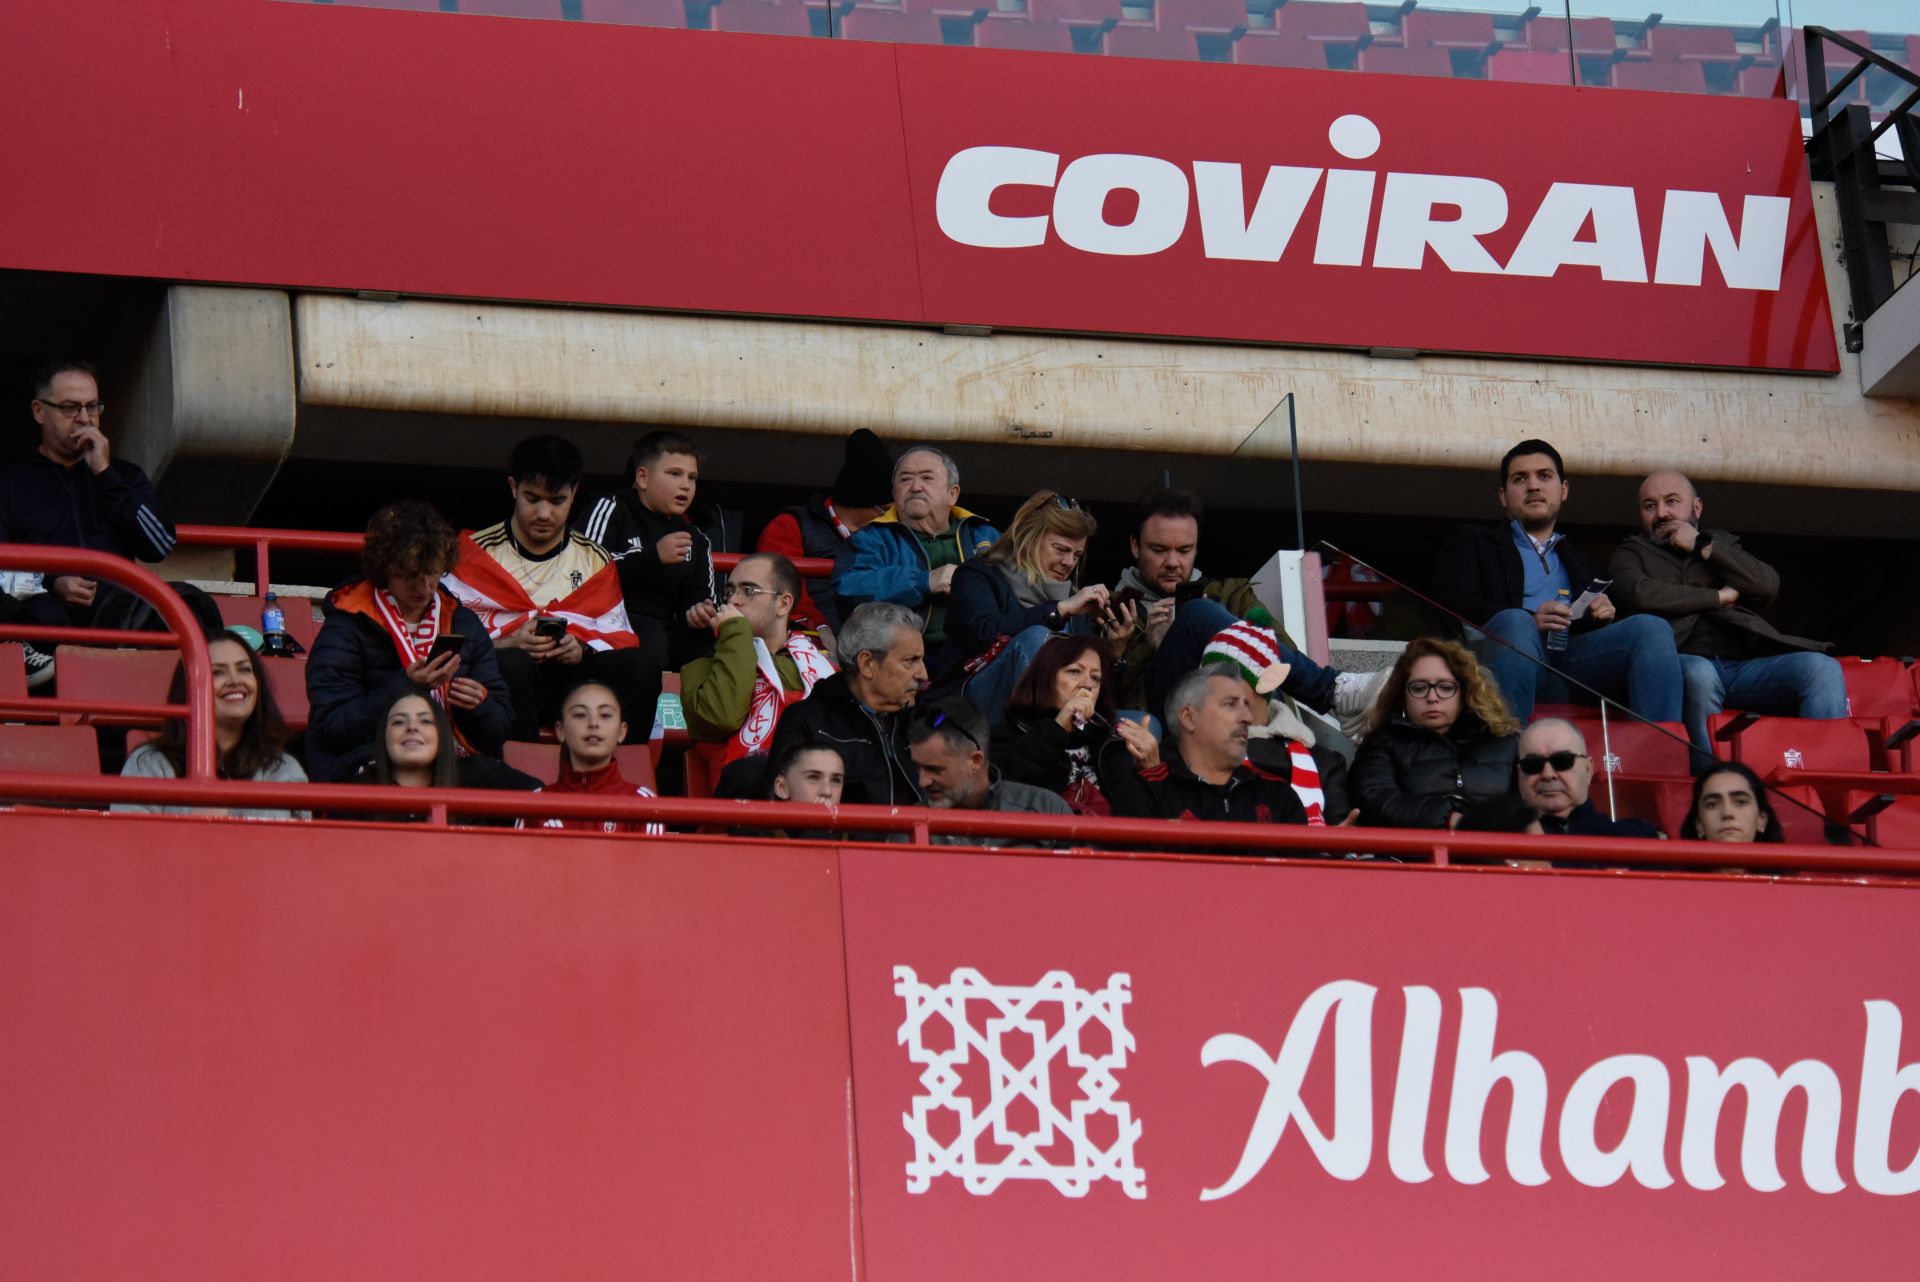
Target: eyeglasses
[(1066, 504), (1438, 689), (941, 719), (1533, 763), (73, 409), (746, 591)]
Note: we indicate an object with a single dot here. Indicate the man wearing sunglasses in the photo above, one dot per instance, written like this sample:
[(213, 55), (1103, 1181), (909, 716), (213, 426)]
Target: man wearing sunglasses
[(948, 741), (1555, 773), (72, 492), (734, 697)]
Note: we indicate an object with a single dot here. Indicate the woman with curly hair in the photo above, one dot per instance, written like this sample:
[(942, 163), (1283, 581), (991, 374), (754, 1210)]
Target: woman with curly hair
[(1439, 740), (1007, 603), (395, 631)]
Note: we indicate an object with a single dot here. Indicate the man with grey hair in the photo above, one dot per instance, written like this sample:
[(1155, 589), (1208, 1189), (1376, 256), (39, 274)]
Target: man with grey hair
[(1709, 589), (908, 554), (1208, 715), (948, 741), (860, 711), (1555, 774)]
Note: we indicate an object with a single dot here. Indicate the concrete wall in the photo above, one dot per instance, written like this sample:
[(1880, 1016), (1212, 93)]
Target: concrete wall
[(809, 380)]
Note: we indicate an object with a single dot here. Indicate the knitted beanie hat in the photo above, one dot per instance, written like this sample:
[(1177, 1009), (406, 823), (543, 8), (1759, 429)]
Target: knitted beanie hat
[(1253, 648), (866, 478)]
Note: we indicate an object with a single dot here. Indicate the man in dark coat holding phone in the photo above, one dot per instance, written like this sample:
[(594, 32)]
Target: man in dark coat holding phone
[(1517, 583)]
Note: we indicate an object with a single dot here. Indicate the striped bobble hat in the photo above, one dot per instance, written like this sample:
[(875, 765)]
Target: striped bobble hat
[(1252, 647)]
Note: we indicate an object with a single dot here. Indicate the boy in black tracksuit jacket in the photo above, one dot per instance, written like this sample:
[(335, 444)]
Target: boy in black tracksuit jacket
[(664, 560)]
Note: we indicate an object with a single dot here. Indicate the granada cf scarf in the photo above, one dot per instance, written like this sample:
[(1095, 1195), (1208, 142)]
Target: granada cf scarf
[(770, 699), (595, 612)]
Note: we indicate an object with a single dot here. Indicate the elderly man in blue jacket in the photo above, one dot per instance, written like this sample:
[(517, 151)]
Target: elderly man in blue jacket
[(908, 555)]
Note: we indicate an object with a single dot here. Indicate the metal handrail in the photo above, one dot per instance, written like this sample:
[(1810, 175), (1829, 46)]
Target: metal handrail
[(1821, 98), (1151, 836), (264, 540), (183, 632)]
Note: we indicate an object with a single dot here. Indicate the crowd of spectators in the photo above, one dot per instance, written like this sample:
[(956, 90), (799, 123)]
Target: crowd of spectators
[(945, 663)]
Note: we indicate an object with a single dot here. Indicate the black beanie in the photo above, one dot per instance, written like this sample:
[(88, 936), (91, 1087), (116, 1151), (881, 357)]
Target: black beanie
[(866, 478)]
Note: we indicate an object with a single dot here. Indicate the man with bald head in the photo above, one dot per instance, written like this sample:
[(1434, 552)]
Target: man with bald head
[(1710, 589), (1555, 774)]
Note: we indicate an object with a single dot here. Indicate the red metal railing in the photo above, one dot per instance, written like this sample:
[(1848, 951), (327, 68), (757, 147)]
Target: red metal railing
[(264, 541), (183, 634), (1077, 833)]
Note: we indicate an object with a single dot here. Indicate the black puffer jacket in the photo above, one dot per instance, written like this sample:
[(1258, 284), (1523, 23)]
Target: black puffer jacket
[(1407, 776), (1033, 748), (872, 746)]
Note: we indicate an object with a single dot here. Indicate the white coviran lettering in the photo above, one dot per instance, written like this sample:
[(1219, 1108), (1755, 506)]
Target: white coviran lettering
[(1692, 223)]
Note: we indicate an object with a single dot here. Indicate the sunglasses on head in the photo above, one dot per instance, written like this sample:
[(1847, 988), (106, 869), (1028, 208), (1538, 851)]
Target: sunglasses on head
[(940, 719), (1066, 504), (1533, 763)]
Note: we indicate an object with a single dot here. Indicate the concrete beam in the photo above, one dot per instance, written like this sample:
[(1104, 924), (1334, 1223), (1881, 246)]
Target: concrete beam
[(212, 416)]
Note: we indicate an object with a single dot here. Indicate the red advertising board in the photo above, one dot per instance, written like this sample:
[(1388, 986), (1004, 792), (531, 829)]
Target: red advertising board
[(1133, 1070), (327, 146)]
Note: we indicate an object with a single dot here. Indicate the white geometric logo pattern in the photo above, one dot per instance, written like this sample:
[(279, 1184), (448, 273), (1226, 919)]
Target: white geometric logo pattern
[(985, 1020)]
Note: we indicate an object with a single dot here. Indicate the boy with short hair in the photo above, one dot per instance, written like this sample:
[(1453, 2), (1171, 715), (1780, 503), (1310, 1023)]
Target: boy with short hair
[(590, 728), (809, 772), (665, 560)]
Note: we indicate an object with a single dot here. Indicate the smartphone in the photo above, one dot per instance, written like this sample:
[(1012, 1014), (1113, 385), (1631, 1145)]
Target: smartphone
[(552, 629), (1125, 596), (1189, 590), (446, 643)]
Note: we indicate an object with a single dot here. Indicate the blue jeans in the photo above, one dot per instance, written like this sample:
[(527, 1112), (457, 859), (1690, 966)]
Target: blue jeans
[(991, 687), (1630, 660), (1802, 684), (1187, 638)]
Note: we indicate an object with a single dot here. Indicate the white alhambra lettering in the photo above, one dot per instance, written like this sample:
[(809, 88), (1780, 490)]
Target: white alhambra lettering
[(1445, 213), (1345, 1150)]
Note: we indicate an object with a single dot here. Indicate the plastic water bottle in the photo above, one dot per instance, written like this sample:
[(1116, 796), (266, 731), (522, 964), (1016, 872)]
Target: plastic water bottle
[(273, 619), (1557, 641)]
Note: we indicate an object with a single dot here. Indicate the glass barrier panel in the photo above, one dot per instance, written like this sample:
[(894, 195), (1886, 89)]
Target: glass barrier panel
[(1727, 47), (1891, 28)]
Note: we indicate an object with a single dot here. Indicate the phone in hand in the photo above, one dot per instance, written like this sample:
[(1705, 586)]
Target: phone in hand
[(1188, 591), (1128, 595), (444, 644), (550, 628)]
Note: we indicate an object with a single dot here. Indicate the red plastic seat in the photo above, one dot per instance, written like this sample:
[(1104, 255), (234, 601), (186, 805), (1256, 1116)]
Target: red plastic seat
[(1655, 751), (416, 6), (1145, 42), (49, 750), (1759, 82), (1894, 824), (762, 17), (1406, 62), (513, 8), (1781, 745), (288, 677), (1278, 49), (13, 672), (1444, 29), (1666, 77), (1216, 16), (996, 32), (1684, 42), (1878, 688), (635, 13), (113, 676), (1590, 37), (301, 625), (891, 26), (1661, 802), (1803, 820), (542, 761), (1327, 22), (1519, 66), (1078, 13)]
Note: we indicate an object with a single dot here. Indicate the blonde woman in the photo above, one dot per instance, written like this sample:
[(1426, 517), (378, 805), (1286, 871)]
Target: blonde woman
[(1006, 604), (1440, 739)]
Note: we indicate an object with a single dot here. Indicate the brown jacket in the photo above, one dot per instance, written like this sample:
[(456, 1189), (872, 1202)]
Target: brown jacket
[(1649, 578)]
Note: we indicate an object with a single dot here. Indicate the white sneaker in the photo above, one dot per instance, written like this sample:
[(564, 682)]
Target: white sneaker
[(39, 666), (1353, 692)]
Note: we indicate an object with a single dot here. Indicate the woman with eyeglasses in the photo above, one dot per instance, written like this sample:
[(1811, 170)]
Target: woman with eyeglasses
[(1731, 804), (249, 734), (1060, 731), (1439, 740), (1007, 603)]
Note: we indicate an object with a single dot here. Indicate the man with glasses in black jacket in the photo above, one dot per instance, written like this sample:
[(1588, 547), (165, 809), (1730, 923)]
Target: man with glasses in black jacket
[(1555, 775)]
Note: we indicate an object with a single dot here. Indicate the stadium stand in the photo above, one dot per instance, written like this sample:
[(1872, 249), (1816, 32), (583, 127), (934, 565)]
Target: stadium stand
[(998, 31), (1261, 48)]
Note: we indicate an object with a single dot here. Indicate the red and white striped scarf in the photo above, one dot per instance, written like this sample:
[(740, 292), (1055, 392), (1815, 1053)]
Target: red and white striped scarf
[(595, 612), (414, 641), (1306, 783), (770, 699)]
